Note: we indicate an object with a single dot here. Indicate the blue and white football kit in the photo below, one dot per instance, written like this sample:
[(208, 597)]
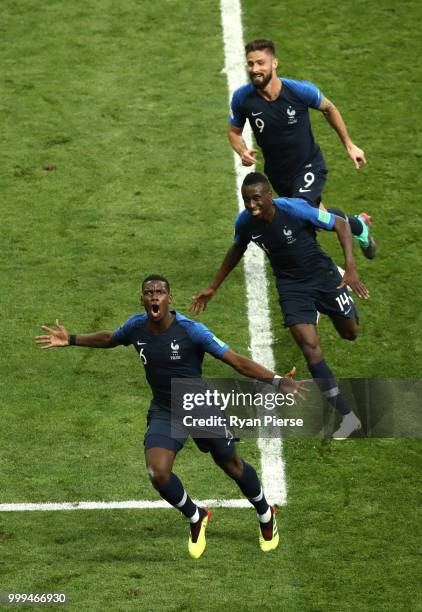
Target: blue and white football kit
[(293, 160), (176, 353), (307, 279)]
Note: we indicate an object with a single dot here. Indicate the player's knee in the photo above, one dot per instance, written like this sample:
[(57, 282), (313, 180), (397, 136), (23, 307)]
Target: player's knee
[(350, 333), (232, 466), (312, 351), (158, 474)]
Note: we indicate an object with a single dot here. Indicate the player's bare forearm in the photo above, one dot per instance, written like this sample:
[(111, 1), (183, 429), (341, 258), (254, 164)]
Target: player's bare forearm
[(334, 118), (351, 277), (248, 156), (252, 369), (59, 337), (230, 261), (236, 141), (247, 367), (344, 235), (101, 339), (201, 299)]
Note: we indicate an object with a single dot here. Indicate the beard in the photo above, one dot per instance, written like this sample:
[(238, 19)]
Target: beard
[(262, 82)]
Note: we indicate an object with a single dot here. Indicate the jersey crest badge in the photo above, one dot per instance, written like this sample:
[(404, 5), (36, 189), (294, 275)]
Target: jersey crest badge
[(175, 354), (287, 232), (291, 115)]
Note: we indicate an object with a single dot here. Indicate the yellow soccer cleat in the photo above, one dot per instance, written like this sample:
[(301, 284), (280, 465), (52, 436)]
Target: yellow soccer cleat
[(268, 533), (197, 541)]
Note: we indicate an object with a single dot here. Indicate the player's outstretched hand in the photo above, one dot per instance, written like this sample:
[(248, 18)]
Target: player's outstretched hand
[(200, 301), (357, 156), (55, 338), (299, 388), (352, 279), (248, 157)]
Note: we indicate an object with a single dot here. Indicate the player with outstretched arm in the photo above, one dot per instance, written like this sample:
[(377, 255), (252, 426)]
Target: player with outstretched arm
[(158, 335), (307, 279)]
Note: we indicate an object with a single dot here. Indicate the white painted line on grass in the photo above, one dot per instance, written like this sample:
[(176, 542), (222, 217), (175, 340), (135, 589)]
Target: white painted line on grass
[(119, 505), (272, 465)]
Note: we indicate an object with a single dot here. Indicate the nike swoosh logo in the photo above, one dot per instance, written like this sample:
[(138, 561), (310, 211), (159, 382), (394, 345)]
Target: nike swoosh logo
[(308, 166), (140, 343), (347, 311), (258, 236), (255, 114)]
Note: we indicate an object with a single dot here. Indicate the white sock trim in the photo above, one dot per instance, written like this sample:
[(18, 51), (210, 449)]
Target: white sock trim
[(331, 392), (183, 501), (195, 517), (258, 497), (266, 517)]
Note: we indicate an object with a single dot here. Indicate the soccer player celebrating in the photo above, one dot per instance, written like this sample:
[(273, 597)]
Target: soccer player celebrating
[(277, 110), (307, 279), (173, 346)]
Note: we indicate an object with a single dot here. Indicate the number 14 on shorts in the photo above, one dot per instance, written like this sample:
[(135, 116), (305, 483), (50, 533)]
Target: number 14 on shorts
[(344, 302)]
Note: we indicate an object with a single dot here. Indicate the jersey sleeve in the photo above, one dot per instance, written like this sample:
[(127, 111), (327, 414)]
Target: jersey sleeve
[(302, 210), (241, 237), (122, 335), (309, 93), (237, 116), (207, 341)]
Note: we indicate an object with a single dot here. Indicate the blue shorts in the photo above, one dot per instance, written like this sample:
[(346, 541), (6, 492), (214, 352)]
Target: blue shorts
[(159, 434), (300, 302), (307, 184)]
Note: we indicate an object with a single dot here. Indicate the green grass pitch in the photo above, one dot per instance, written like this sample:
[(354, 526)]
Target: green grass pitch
[(114, 165)]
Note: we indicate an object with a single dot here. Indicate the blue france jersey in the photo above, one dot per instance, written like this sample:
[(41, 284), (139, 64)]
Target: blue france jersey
[(177, 353), (282, 128), (289, 240)]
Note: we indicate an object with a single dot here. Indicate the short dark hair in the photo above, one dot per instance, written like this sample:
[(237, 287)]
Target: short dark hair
[(156, 277), (260, 44), (253, 178)]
